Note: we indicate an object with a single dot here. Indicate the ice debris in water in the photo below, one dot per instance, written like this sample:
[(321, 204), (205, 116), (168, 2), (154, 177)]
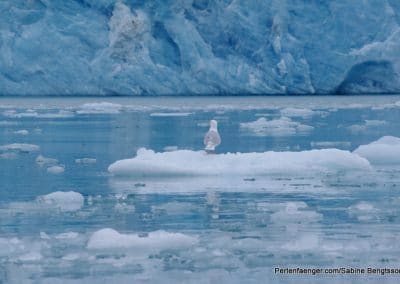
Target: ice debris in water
[(55, 169), (85, 161), (384, 151), (283, 126), (65, 201), (99, 108), (43, 161), (170, 114), (21, 147), (22, 132), (367, 125), (297, 112), (363, 211), (150, 163), (107, 238), (295, 212)]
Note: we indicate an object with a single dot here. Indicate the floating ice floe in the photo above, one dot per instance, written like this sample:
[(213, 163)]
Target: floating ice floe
[(67, 235), (386, 150), (22, 132), (330, 144), (55, 169), (170, 114), (85, 161), (107, 238), (21, 147), (43, 161), (99, 108), (298, 112), (363, 211), (65, 201), (148, 163), (283, 126), (368, 124), (35, 114), (295, 212)]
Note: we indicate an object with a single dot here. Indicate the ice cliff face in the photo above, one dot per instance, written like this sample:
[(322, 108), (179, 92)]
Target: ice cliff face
[(199, 46)]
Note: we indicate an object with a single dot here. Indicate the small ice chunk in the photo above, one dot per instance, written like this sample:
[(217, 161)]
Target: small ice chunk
[(368, 124), (31, 256), (44, 236), (43, 161), (85, 161), (283, 126), (362, 206), (55, 170), (21, 147), (109, 239), (297, 112), (71, 257), (67, 235), (65, 201), (22, 132), (331, 144), (385, 151), (295, 212), (170, 114), (363, 211), (100, 108)]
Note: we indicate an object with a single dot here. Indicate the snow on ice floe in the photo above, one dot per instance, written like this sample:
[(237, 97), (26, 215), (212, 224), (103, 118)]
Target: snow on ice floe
[(283, 126), (65, 201), (386, 150), (110, 239), (21, 147), (197, 163), (99, 108)]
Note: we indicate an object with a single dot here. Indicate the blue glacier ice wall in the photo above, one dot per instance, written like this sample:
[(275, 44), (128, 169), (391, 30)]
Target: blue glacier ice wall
[(133, 47)]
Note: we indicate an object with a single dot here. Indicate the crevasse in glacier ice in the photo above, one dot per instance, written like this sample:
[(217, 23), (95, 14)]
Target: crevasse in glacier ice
[(199, 47)]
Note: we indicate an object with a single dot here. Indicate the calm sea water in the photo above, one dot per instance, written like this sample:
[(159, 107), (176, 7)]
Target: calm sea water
[(240, 231)]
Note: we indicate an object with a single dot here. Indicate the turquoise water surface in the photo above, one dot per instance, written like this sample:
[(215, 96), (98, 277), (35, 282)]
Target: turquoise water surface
[(110, 229)]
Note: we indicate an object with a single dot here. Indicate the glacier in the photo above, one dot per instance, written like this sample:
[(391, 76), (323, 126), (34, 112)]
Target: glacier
[(192, 47)]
